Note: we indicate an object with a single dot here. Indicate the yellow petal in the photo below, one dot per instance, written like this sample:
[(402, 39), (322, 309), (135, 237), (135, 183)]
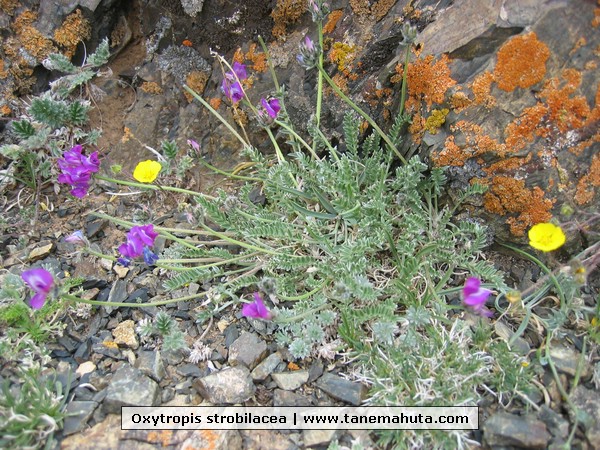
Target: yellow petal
[(147, 171), (546, 237)]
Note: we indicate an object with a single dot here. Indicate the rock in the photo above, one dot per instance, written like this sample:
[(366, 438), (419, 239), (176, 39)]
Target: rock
[(230, 386), (556, 424), (190, 370), (118, 294), (151, 364), (262, 439), (214, 439), (588, 402), (312, 438), (566, 360), (95, 227), (231, 333), (124, 334), (247, 350), (78, 413), (288, 398), (102, 436), (130, 387), (266, 367), (290, 381), (315, 370), (341, 389), (503, 429), (120, 271), (85, 368), (41, 251)]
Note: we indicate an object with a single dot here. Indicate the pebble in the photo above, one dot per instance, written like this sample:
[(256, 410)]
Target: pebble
[(312, 438), (288, 398), (247, 350), (266, 367), (85, 368), (341, 389), (588, 402), (290, 381), (190, 370), (41, 251), (213, 439), (121, 271), (103, 435), (78, 414), (124, 334), (230, 386), (130, 387), (118, 294), (556, 424), (151, 364), (503, 429), (566, 360)]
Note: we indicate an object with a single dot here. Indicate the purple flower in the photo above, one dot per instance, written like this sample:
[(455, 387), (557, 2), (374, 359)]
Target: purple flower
[(239, 70), (192, 143), (76, 238), (256, 309), (77, 169), (139, 240), (272, 106), (233, 91), (41, 282), (474, 297), (309, 54)]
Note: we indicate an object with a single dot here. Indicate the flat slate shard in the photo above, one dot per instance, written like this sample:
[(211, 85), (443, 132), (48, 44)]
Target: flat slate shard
[(505, 429), (130, 387), (230, 386), (342, 389)]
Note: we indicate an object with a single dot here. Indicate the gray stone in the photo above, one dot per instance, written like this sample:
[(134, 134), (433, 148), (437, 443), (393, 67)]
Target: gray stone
[(290, 381), (266, 367), (263, 439), (189, 370), (151, 364), (130, 387), (118, 294), (556, 424), (503, 429), (78, 413), (566, 360), (232, 385), (124, 334), (247, 350), (102, 436), (313, 438), (288, 398), (41, 251), (588, 402), (342, 389)]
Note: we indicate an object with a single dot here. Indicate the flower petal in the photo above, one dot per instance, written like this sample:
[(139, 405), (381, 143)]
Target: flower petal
[(40, 280), (38, 300)]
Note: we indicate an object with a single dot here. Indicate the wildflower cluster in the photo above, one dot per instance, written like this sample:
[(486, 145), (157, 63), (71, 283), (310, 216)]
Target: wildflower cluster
[(77, 170), (256, 309), (319, 10), (140, 240), (309, 54), (474, 297)]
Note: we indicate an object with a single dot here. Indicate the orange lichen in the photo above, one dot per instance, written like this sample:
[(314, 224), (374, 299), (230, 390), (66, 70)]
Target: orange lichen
[(481, 88), (565, 112), (521, 62), (587, 184), (127, 135), (451, 155), (427, 81), (341, 82), (508, 195), (259, 60), (286, 12), (5, 111), (164, 437), (8, 6), (31, 39), (476, 138), (196, 80), (596, 19), (522, 130), (151, 87), (580, 43), (417, 127), (378, 10), (215, 102), (332, 21), (459, 101), (74, 29), (3, 71), (507, 165)]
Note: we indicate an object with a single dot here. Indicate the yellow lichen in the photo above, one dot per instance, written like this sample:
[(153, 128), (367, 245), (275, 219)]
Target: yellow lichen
[(521, 62), (436, 119), (508, 195), (343, 55), (74, 29), (587, 184)]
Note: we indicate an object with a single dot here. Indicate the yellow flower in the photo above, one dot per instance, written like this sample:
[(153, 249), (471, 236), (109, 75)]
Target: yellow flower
[(147, 171), (546, 237)]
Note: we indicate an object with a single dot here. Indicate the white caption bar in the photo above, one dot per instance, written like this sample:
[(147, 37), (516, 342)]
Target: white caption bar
[(300, 418)]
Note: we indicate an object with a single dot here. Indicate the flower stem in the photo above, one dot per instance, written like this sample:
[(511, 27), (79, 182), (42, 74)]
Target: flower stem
[(154, 187), (363, 114)]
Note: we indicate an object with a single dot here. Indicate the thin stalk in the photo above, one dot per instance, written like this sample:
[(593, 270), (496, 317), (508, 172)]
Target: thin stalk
[(227, 174), (304, 315), (133, 305), (404, 80), (240, 243), (329, 146), (295, 298), (363, 114), (217, 115), (154, 187), (319, 82), (296, 136)]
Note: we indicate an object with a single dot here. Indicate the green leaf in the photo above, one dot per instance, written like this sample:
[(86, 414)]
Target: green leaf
[(100, 56), (23, 128)]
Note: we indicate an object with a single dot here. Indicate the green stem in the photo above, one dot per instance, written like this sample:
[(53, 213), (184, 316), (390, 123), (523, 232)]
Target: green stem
[(404, 80), (133, 305), (154, 187), (319, 82), (296, 136), (363, 114), (304, 315), (240, 243), (296, 298), (217, 115), (227, 174), (329, 146), (99, 255)]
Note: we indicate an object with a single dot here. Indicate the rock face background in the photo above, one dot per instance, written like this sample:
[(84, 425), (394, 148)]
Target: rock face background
[(504, 92)]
